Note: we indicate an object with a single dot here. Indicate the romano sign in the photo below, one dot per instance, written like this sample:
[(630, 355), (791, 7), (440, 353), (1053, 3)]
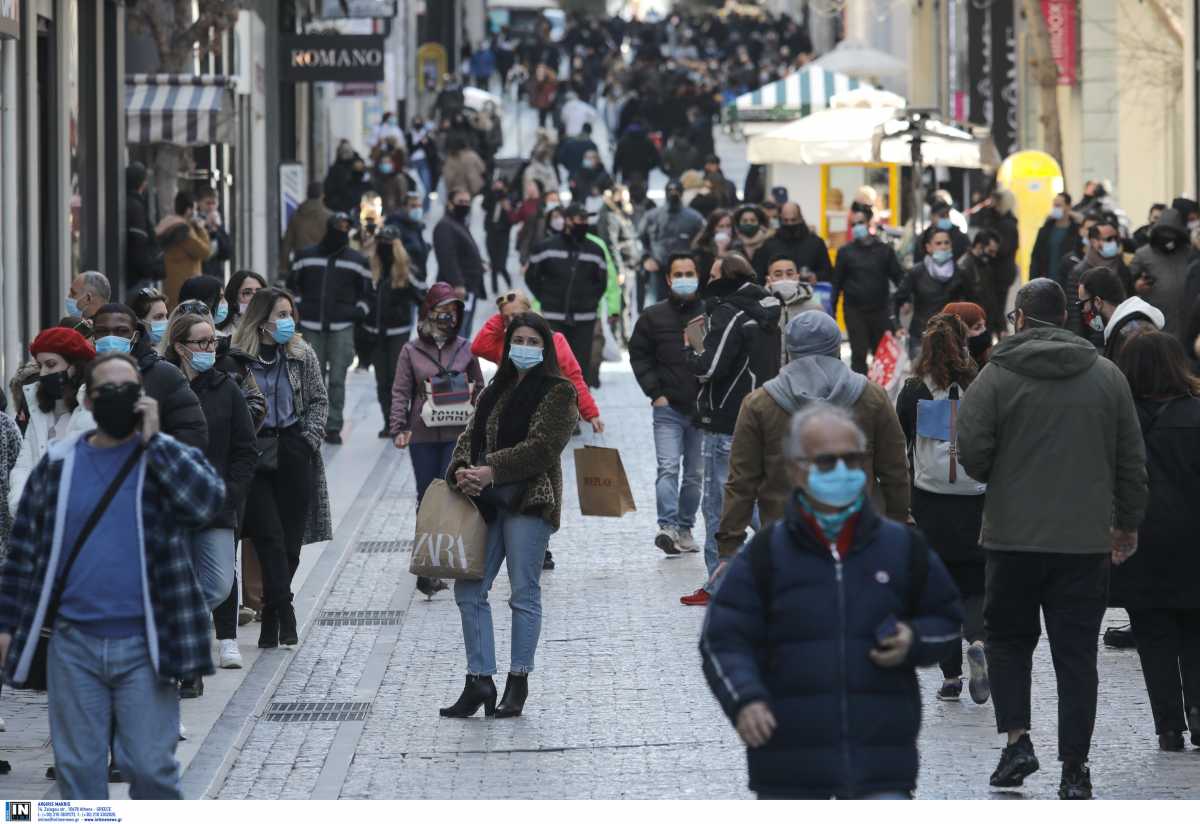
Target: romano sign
[(346, 58)]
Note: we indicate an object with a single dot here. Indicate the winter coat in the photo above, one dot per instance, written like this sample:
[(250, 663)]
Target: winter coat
[(636, 156), (464, 169), (420, 360), (412, 237), (391, 307), (179, 411), (330, 287), (306, 228), (748, 247), (808, 251), (928, 295), (489, 345), (862, 273), (758, 465), (10, 448), (570, 152), (236, 364), (1051, 428), (459, 263), (1004, 267), (568, 278), (144, 259), (177, 493), (37, 440), (221, 245), (658, 356), (1091, 259), (738, 350), (846, 727), (537, 461), (232, 445), (1042, 262), (1131, 317), (982, 278), (1169, 270), (1165, 571), (960, 244), (665, 232), (186, 246), (342, 186)]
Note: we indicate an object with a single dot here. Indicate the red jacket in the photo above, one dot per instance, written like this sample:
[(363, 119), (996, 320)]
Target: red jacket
[(489, 345)]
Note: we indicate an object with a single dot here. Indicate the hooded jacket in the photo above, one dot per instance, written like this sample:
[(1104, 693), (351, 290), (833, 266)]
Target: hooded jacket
[(1091, 259), (758, 467), (1131, 316), (179, 412), (928, 294), (1165, 260), (1051, 428), (738, 351), (186, 246), (666, 231)]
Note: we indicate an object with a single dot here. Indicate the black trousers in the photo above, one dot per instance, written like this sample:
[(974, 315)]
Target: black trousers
[(497, 252), (972, 629), (1071, 591), (1168, 642), (276, 511), (579, 335), (387, 354), (864, 328)]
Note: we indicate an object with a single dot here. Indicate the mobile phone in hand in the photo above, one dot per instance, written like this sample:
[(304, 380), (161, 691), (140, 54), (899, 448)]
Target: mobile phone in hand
[(887, 629)]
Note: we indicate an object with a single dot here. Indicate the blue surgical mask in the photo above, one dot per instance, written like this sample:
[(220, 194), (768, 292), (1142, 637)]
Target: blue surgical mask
[(945, 223), (685, 286), (72, 308), (831, 523), (416, 214), (113, 343), (1056, 213), (524, 357), (203, 361), (1109, 249), (839, 487), (222, 312), (860, 231), (158, 328), (386, 168), (284, 329), (942, 255)]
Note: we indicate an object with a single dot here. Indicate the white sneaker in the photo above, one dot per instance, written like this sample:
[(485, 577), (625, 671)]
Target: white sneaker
[(182, 732), (667, 540), (231, 656), (685, 541)]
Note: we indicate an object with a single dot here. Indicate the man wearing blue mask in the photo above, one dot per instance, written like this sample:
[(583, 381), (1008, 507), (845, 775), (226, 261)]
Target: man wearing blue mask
[(864, 267), (659, 363), (89, 291), (1104, 250), (820, 623), (1058, 236)]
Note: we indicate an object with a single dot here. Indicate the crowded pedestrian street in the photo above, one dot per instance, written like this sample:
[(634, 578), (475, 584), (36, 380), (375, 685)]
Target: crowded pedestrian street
[(623, 400)]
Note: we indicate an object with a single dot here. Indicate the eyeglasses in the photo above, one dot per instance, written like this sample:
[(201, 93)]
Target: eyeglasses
[(205, 344), (829, 462)]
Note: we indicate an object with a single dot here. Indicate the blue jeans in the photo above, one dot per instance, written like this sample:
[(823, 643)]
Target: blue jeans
[(520, 541), (677, 439), (213, 558), (429, 462), (716, 473), (421, 167), (102, 689)]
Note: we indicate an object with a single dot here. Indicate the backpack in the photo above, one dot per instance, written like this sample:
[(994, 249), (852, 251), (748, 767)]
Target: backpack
[(935, 447)]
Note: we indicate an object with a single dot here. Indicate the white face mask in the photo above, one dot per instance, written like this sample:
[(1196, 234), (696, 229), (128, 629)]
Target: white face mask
[(721, 238), (785, 290), (557, 223)]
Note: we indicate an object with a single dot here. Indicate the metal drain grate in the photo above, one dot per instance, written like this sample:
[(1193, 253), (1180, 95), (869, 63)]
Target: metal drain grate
[(360, 617), (377, 547), (306, 712)]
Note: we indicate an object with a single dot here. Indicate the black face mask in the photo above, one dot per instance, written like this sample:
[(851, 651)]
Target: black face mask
[(978, 344), (336, 239), (462, 211), (112, 407), (579, 230), (386, 255), (674, 200), (54, 385), (791, 232), (984, 260)]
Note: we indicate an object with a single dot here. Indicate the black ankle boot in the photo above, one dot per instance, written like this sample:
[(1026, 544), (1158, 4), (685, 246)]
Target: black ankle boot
[(268, 635), (288, 636), (479, 691), (191, 687), (516, 690)]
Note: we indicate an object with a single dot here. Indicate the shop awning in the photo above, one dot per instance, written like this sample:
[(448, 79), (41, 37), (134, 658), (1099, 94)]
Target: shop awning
[(181, 109), (797, 95)]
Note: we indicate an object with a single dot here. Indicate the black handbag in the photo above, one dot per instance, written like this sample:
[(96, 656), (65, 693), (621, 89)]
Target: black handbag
[(36, 678), (267, 444)]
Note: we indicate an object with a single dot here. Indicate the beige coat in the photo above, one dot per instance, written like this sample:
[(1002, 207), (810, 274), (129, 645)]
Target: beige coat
[(464, 170), (186, 246)]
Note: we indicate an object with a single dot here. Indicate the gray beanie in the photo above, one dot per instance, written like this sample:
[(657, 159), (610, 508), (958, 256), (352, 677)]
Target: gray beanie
[(813, 333)]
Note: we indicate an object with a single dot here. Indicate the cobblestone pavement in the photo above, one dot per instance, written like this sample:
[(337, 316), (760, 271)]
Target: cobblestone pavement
[(618, 706)]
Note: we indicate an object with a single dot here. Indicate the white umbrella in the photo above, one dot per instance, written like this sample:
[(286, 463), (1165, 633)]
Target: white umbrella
[(857, 59)]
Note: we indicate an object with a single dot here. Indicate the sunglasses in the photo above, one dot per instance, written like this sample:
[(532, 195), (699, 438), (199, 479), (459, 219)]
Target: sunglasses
[(506, 298), (829, 462), (194, 307), (444, 317)]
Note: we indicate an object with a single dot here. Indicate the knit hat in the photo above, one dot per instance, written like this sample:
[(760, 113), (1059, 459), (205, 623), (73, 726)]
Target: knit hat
[(968, 313), (61, 341), (813, 333)]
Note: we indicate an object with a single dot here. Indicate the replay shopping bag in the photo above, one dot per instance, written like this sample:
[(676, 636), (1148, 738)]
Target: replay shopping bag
[(451, 537), (603, 487)]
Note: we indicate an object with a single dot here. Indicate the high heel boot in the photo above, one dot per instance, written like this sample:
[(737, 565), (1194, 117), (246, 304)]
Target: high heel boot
[(268, 635), (479, 691), (288, 636), (516, 690)]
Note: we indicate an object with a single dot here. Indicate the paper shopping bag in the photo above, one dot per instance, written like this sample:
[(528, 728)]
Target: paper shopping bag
[(603, 487), (451, 537), (890, 366)]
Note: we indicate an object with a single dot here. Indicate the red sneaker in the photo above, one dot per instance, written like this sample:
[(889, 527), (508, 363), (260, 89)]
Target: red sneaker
[(699, 598)]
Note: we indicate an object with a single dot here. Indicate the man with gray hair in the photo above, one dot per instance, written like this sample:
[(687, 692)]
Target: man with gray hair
[(1051, 428), (89, 291), (813, 636), (758, 468)]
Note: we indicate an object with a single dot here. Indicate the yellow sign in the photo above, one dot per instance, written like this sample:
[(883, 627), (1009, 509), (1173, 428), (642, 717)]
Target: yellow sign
[(1034, 178), (431, 66)]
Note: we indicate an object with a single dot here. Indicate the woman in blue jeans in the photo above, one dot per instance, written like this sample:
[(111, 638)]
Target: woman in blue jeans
[(509, 461)]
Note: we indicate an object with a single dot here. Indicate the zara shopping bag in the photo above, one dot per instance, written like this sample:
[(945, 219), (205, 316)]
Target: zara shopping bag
[(603, 487), (451, 537)]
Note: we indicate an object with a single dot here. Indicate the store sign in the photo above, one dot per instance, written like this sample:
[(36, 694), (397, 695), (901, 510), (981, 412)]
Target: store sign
[(352, 58), (10, 18), (1064, 37), (992, 94)]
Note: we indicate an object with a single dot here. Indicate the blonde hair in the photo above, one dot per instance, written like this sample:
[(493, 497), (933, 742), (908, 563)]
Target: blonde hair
[(247, 337), (400, 264)]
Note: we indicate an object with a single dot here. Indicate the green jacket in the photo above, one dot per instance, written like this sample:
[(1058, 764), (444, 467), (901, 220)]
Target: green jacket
[(1051, 428), (612, 294)]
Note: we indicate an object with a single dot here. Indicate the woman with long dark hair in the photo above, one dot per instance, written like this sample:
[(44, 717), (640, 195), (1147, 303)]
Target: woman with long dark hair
[(947, 504), (713, 242), (1160, 584), (509, 461), (238, 293)]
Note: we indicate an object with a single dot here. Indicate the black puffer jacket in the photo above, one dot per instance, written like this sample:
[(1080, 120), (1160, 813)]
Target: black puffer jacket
[(232, 446), (236, 364), (928, 295), (330, 287), (739, 350), (806, 249), (458, 259), (658, 356), (391, 307), (179, 411), (862, 273), (568, 277)]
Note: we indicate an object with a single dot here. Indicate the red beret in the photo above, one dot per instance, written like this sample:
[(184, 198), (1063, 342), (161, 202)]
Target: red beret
[(62, 341)]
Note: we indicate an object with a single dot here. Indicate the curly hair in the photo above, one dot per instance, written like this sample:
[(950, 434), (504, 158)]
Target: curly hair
[(944, 358)]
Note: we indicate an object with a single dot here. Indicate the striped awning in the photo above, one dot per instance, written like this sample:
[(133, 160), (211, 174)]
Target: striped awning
[(181, 109), (795, 96)]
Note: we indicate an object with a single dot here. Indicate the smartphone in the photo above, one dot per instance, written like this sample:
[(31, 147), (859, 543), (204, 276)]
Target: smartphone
[(887, 629)]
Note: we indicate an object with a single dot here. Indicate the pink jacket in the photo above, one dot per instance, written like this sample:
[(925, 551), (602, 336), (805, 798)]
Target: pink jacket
[(417, 364)]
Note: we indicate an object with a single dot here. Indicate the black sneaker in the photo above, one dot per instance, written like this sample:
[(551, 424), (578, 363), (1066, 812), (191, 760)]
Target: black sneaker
[(1076, 784), (333, 437), (951, 690), (1170, 742), (548, 561), (1017, 763)]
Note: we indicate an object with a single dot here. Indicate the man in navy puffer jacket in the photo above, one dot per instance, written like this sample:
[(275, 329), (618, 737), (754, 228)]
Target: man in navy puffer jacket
[(813, 636)]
